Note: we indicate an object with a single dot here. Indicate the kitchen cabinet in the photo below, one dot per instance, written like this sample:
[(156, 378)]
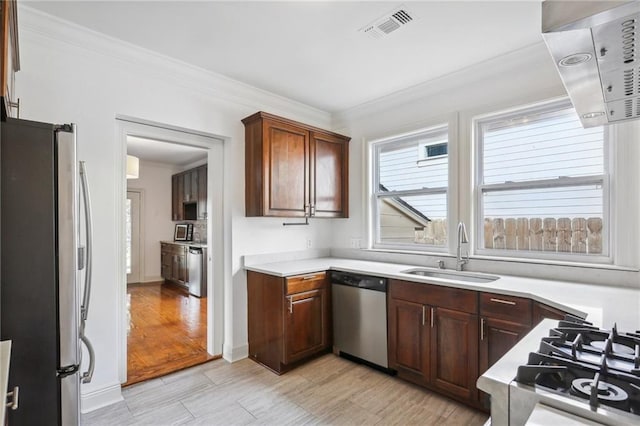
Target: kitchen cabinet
[(177, 189), (504, 320), (542, 311), (174, 263), (202, 192), (289, 318), (10, 58), (294, 170), (433, 338), (189, 194)]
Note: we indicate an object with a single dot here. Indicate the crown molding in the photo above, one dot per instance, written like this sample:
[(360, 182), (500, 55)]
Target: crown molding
[(51, 31)]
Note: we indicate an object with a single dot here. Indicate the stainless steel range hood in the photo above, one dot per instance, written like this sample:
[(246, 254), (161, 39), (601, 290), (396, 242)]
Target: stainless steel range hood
[(595, 48)]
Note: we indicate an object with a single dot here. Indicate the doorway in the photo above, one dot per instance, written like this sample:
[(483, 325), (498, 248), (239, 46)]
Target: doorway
[(153, 294), (133, 252)]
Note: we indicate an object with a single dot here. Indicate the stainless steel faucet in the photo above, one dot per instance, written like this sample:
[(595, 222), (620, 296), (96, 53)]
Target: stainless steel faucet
[(462, 239)]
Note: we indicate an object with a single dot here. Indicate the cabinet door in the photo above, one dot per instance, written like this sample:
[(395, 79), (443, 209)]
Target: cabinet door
[(409, 336), (496, 338), (541, 311), (329, 162), (202, 193), (182, 267), (186, 185), (175, 202), (454, 352), (180, 197), (193, 175), (286, 180), (165, 262), (305, 324), (175, 267)]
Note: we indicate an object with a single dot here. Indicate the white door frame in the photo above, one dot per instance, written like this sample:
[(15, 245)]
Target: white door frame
[(216, 219), (141, 235)]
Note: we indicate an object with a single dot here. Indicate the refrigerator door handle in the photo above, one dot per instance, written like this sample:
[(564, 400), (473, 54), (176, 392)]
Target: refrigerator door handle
[(88, 375), (84, 308)]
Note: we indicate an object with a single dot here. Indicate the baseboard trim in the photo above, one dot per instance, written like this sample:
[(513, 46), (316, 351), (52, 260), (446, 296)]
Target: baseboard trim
[(235, 354), (101, 398), (152, 279)]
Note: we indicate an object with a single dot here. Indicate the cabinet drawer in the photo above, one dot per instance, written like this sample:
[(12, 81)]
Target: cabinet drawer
[(435, 295), (307, 282), (508, 308), (178, 249)]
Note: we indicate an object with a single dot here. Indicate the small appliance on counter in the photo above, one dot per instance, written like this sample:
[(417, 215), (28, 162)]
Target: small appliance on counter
[(183, 232)]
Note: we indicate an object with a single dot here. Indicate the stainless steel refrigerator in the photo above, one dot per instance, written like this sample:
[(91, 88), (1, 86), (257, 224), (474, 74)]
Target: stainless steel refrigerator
[(45, 263)]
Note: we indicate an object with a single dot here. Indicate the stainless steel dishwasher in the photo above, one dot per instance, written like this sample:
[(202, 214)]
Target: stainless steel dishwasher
[(360, 317), (196, 276)]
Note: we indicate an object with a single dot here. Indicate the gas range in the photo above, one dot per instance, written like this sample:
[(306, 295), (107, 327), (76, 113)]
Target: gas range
[(583, 370)]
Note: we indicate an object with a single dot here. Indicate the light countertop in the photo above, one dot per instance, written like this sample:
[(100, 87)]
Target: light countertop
[(603, 305)]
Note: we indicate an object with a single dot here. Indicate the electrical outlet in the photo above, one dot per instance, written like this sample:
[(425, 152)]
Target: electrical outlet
[(355, 243), (309, 244)]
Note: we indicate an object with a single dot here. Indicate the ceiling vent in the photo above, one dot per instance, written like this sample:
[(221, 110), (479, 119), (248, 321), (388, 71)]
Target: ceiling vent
[(388, 23)]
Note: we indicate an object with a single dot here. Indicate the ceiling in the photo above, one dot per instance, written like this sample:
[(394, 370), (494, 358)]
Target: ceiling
[(164, 152), (312, 51)]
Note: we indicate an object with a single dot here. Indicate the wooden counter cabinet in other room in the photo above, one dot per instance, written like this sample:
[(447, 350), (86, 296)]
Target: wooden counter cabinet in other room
[(289, 318)]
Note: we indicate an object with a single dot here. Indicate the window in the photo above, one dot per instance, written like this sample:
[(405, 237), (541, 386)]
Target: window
[(410, 179), (542, 186)]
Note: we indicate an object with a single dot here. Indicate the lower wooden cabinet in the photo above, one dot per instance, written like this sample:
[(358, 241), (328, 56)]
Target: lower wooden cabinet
[(496, 338), (434, 346), (454, 352), (304, 325), (542, 311), (289, 318), (409, 337), (174, 263)]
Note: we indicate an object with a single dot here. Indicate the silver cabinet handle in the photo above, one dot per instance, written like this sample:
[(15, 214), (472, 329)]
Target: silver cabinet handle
[(306, 210), (423, 313), (309, 277), (313, 209), (504, 302), (481, 329), (88, 375), (290, 299), (14, 398), (433, 315), (84, 308)]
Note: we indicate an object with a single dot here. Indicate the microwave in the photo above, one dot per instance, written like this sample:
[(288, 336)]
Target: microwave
[(183, 232)]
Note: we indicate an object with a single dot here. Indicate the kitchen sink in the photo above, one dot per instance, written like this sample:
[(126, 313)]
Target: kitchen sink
[(455, 276)]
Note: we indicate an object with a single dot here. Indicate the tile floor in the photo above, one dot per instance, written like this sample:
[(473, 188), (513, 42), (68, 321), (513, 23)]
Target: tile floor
[(328, 390)]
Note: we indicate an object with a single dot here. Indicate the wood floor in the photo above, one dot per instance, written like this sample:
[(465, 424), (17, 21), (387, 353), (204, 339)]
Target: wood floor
[(167, 331), (327, 390)]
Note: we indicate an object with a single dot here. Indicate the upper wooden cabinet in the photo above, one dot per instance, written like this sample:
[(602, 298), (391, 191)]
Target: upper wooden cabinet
[(294, 170), (189, 195), (10, 57)]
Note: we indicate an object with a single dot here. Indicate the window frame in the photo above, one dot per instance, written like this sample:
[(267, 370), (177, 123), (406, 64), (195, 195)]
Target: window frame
[(375, 194), (479, 189)]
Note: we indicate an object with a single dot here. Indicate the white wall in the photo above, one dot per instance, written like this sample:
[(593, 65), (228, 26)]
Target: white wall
[(519, 78), (72, 75), (155, 183)]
